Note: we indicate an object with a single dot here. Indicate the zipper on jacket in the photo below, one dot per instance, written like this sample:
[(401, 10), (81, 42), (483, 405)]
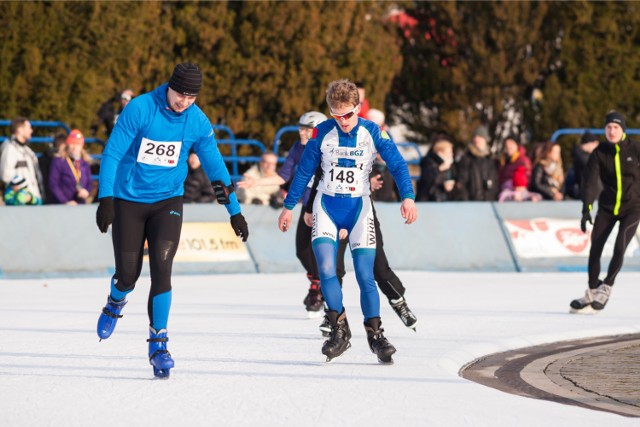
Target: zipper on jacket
[(616, 161)]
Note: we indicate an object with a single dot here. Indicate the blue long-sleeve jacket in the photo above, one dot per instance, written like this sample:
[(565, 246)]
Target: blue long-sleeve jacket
[(145, 159)]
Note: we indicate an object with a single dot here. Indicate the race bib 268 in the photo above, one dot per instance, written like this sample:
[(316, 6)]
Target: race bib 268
[(159, 153)]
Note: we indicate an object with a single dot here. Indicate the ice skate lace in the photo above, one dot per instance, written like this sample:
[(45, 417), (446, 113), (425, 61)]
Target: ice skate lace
[(402, 309)]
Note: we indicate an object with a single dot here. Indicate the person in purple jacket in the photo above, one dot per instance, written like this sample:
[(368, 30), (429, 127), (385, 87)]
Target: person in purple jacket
[(70, 175), (309, 120)]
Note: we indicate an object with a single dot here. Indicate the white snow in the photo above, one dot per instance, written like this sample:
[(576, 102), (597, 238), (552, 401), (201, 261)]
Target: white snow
[(246, 355)]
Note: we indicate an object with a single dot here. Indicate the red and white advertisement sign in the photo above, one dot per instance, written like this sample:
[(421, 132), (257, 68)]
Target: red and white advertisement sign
[(553, 238)]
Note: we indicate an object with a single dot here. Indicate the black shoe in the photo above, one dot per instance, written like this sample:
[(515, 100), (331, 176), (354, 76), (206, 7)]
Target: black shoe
[(325, 326), (378, 344), (404, 312), (339, 336), (314, 302)]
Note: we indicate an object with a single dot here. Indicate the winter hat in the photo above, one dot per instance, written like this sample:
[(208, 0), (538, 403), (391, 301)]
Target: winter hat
[(588, 137), (615, 117), (75, 137), (18, 181), (482, 131), (186, 79)]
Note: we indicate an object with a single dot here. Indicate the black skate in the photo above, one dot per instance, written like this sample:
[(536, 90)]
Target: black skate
[(378, 344), (339, 336), (325, 326), (404, 313), (313, 301)]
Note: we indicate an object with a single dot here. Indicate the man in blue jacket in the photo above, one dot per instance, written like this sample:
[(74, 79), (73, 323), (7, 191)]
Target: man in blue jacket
[(141, 189)]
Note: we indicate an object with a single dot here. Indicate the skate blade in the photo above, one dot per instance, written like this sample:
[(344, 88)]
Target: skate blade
[(386, 362), (329, 359), (161, 373), (315, 314), (587, 310)]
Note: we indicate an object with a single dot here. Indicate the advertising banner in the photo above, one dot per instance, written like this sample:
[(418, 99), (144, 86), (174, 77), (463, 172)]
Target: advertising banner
[(555, 238), (209, 242)]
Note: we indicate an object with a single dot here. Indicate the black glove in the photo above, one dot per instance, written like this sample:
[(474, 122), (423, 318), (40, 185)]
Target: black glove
[(586, 216), (239, 226), (104, 214)]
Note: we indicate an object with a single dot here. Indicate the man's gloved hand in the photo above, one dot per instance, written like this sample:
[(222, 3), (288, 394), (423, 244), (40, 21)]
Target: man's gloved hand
[(586, 216), (239, 226), (104, 214)]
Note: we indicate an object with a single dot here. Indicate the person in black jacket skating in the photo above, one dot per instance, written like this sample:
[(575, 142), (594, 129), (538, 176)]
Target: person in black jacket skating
[(616, 163)]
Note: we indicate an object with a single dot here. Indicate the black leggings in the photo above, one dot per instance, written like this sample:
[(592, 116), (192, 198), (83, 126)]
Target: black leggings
[(160, 225), (388, 282), (602, 228), (304, 250)]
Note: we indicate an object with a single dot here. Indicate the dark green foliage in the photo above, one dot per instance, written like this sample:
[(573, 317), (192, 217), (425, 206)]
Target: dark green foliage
[(557, 64), (265, 63)]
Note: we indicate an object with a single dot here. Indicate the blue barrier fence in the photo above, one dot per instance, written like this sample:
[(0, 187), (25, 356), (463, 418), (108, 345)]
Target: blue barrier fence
[(233, 160), (579, 131)]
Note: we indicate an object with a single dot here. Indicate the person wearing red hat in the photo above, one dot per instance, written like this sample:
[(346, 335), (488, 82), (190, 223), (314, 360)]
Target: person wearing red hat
[(70, 175)]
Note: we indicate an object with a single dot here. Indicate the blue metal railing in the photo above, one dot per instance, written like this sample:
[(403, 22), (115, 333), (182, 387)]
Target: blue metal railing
[(225, 129), (234, 160), (278, 138), (580, 131)]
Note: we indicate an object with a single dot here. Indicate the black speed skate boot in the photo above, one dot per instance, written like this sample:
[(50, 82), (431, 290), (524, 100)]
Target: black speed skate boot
[(404, 313), (378, 344), (339, 336), (313, 302), (109, 317), (159, 356)]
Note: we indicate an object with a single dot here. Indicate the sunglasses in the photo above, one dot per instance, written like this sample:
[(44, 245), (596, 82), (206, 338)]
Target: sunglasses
[(345, 116)]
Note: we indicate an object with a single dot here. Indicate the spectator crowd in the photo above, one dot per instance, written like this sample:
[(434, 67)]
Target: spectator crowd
[(62, 173)]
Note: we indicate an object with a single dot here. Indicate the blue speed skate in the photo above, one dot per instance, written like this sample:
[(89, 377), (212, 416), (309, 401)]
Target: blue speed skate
[(159, 356), (109, 317)]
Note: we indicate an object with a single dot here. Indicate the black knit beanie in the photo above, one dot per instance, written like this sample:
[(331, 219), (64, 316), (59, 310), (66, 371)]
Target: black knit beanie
[(615, 117), (186, 79)]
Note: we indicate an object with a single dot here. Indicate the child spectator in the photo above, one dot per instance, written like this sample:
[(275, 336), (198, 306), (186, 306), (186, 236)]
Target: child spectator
[(18, 193), (70, 175)]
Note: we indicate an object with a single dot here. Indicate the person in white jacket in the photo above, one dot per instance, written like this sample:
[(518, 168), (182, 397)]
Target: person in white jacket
[(17, 158)]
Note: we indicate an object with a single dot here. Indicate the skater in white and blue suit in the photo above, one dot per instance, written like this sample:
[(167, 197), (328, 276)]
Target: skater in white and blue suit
[(345, 148), (142, 175)]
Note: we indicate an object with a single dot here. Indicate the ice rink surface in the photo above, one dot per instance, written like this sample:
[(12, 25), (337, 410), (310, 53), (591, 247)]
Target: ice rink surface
[(246, 355)]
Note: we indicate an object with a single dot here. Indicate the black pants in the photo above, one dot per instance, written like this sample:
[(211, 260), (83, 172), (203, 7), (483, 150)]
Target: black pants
[(388, 282), (160, 225), (304, 250), (602, 228)]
